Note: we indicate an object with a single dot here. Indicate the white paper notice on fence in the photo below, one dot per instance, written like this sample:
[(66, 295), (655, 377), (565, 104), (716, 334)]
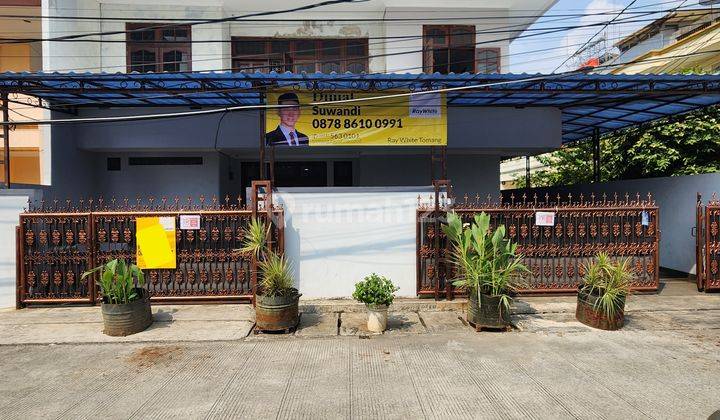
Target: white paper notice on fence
[(545, 218), (645, 218), (189, 221)]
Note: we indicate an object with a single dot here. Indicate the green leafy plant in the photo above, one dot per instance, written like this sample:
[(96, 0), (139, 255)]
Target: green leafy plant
[(609, 281), (276, 271), (255, 238), (375, 290), (117, 281), (487, 262), (276, 275)]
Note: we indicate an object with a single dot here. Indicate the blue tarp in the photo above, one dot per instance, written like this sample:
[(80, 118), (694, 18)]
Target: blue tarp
[(587, 101)]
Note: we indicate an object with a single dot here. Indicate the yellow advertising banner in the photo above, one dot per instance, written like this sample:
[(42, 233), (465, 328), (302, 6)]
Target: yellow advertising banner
[(344, 118), (155, 242)]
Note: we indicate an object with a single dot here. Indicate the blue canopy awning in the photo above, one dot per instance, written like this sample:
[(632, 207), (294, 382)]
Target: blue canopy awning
[(587, 101)]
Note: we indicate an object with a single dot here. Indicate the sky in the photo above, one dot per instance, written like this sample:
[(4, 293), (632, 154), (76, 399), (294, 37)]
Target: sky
[(543, 53)]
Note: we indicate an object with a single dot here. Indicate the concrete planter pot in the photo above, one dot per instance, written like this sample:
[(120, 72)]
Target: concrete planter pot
[(277, 313), (124, 319), (488, 313), (587, 313), (377, 318)]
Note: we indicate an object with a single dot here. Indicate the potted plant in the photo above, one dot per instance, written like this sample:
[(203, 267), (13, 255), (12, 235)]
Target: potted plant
[(276, 302), (602, 293), (489, 268), (125, 302), (377, 293)]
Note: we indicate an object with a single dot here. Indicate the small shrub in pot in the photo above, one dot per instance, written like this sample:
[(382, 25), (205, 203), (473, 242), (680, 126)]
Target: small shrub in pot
[(377, 293), (602, 294), (125, 302)]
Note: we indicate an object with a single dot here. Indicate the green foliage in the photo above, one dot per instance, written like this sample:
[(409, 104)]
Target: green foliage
[(608, 280), (277, 277), (687, 145), (375, 290), (487, 262), (276, 271), (117, 281), (255, 237)]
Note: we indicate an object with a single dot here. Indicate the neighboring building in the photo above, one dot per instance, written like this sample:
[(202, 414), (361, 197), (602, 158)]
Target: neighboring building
[(675, 34), (26, 147), (444, 37), (668, 45)]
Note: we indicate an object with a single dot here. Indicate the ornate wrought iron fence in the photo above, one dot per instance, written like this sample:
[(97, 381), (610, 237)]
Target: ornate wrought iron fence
[(555, 255), (707, 244), (60, 242)]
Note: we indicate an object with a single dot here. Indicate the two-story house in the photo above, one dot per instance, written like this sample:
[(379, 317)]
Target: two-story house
[(219, 155)]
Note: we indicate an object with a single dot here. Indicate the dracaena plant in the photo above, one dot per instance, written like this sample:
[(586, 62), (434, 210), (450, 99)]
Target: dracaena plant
[(487, 262), (276, 270), (117, 281), (609, 281)]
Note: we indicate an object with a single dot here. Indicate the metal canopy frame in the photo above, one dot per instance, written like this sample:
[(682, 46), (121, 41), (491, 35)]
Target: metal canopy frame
[(591, 104)]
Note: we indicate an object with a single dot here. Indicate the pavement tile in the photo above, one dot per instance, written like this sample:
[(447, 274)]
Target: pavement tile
[(442, 321), (318, 325), (398, 323)]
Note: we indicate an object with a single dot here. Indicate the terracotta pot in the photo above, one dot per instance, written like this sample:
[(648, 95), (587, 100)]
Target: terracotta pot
[(589, 315), (121, 319), (277, 313)]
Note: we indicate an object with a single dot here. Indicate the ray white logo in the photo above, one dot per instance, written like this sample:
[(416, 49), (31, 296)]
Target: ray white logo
[(425, 106)]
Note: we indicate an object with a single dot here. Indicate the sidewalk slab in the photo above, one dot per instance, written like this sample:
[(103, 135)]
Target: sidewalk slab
[(445, 321), (318, 325), (89, 332), (398, 323)]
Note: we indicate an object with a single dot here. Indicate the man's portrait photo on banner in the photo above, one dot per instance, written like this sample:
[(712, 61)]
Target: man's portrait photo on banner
[(285, 134)]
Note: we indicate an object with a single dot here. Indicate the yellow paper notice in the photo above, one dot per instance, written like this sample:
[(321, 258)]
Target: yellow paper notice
[(156, 242)]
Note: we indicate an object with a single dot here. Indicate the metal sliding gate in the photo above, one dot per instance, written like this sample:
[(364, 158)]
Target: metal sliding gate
[(707, 244), (555, 255), (57, 243)]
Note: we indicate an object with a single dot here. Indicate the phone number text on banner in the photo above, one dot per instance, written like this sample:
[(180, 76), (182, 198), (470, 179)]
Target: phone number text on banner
[(417, 120)]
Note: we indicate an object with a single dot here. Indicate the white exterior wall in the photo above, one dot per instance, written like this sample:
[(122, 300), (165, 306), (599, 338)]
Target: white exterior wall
[(10, 208), (321, 22), (337, 236)]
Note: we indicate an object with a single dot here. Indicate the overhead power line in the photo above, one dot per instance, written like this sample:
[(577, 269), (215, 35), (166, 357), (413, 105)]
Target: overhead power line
[(356, 100), (334, 19)]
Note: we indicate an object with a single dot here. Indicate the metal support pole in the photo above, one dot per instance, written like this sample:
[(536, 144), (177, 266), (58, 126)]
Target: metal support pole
[(596, 155), (443, 161), (272, 164), (262, 138), (6, 138), (527, 173)]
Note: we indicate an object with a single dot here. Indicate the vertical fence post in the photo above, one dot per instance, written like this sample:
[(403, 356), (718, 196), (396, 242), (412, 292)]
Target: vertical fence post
[(91, 258), (19, 286), (6, 137)]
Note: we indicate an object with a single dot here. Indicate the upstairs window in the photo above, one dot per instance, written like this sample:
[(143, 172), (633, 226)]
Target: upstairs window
[(451, 49), (158, 49), (299, 55)]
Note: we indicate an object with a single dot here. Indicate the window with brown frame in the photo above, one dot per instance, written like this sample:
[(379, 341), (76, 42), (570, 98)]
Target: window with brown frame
[(451, 49), (158, 49), (299, 55)]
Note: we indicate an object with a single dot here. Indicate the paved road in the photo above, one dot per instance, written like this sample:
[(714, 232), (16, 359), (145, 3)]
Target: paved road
[(542, 374)]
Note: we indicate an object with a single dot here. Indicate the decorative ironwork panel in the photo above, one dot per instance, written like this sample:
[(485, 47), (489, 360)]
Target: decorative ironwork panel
[(557, 255), (708, 244), (55, 251), (59, 244)]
